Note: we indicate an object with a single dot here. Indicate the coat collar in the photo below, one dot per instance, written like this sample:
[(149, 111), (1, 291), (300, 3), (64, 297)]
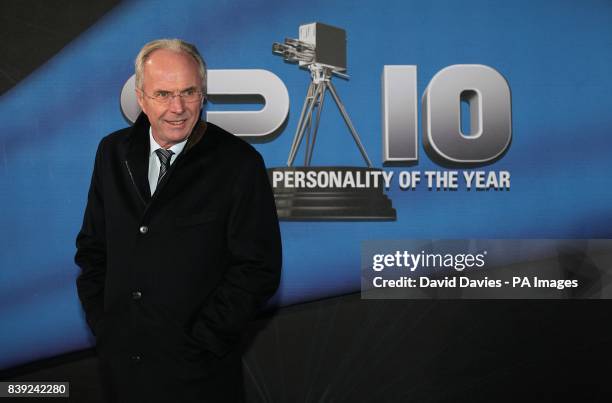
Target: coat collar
[(138, 151)]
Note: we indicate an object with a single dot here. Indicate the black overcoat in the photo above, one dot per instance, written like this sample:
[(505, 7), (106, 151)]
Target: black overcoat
[(169, 281)]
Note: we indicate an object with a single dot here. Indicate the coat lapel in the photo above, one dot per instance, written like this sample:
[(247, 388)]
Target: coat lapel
[(194, 138), (138, 156), (196, 135)]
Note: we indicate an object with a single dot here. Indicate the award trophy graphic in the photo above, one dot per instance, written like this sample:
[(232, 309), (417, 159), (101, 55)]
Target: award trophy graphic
[(310, 193)]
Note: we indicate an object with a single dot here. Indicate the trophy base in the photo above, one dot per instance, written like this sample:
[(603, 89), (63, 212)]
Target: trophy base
[(330, 194)]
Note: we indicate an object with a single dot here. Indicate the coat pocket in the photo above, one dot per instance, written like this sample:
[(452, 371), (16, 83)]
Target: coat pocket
[(196, 219), (100, 332)]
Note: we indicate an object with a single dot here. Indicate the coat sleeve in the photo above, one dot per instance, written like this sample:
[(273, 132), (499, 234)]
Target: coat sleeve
[(91, 249), (255, 259)]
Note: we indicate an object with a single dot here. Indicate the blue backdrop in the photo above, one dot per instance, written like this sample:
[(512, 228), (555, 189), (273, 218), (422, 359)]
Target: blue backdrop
[(556, 56)]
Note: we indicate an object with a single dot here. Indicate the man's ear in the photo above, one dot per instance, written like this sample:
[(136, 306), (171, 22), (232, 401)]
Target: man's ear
[(139, 98)]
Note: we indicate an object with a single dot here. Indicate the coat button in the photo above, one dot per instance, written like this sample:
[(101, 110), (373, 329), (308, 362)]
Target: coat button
[(136, 295), (144, 229)]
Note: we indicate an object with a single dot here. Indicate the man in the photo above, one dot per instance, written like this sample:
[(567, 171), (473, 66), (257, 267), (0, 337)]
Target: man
[(180, 242)]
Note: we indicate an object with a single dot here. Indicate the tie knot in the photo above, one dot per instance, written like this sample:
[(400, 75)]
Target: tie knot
[(164, 155)]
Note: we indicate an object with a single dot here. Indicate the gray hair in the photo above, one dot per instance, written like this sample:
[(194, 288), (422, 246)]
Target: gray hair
[(177, 45)]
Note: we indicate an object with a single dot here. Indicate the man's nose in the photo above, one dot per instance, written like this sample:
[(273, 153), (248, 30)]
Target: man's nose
[(176, 104)]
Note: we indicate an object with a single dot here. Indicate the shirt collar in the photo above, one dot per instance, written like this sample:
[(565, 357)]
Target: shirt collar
[(177, 148)]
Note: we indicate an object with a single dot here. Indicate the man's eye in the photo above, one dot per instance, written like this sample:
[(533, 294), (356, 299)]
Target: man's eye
[(161, 94), (189, 92)]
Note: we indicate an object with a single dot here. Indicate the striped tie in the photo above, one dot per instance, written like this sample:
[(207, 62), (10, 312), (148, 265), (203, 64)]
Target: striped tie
[(164, 158)]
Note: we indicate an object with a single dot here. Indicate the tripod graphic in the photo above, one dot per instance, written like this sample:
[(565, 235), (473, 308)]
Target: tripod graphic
[(311, 114), (329, 192)]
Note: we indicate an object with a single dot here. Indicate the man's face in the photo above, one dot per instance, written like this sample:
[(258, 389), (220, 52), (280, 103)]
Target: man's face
[(167, 70)]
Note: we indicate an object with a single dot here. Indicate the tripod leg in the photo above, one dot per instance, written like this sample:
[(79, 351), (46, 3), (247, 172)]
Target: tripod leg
[(308, 129), (309, 94), (307, 139), (348, 122), (312, 129), (316, 126), (300, 133), (308, 125)]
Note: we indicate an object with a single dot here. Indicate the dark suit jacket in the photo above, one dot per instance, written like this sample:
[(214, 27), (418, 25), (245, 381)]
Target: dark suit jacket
[(169, 282)]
